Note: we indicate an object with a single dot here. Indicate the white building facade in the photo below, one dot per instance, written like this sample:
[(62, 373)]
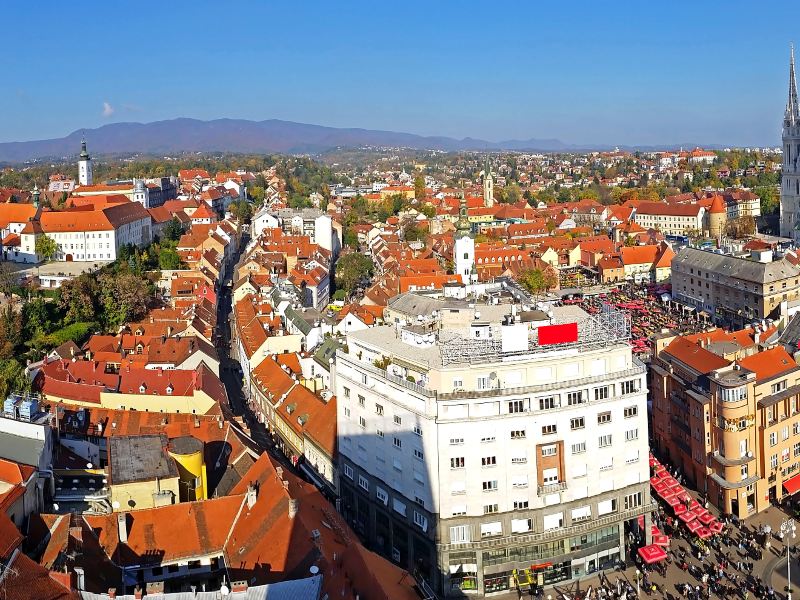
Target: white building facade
[(477, 452)]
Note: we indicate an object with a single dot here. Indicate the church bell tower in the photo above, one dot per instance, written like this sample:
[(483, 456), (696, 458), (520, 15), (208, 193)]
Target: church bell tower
[(790, 181)]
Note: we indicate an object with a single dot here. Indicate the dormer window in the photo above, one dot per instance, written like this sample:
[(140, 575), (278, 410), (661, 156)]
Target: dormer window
[(142, 389), (169, 389)]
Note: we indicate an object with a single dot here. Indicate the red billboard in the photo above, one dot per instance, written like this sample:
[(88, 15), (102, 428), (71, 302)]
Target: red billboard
[(558, 334)]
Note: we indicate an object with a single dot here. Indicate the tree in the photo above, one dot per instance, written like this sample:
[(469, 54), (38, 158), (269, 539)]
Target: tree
[(8, 279), (770, 199), (256, 193), (37, 318), (77, 297), (419, 188), (169, 260), (124, 297), (12, 378), (428, 210), (351, 269), (513, 193), (242, 211), (46, 247), (412, 233), (10, 331), (173, 230), (537, 280)]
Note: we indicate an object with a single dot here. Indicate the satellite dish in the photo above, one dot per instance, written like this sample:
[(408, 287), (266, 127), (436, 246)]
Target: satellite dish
[(89, 466), (115, 505), (55, 506), (314, 569), (224, 590)]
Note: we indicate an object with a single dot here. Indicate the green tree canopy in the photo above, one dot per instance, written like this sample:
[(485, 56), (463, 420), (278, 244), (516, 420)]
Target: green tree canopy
[(46, 247), (351, 269)]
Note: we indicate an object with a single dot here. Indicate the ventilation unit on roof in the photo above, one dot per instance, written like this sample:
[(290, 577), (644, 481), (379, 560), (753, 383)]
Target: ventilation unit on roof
[(315, 534)]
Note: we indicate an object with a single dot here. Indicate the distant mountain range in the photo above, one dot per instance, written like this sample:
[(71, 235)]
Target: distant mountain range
[(244, 136)]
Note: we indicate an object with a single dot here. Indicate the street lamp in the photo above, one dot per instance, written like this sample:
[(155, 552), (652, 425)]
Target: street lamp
[(638, 575), (788, 527)]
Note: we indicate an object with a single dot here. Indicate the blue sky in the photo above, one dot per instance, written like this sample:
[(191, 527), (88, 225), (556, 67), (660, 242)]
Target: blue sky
[(615, 73)]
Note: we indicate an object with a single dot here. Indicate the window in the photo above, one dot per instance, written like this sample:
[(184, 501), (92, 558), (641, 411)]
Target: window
[(550, 450), (398, 420), (362, 421), (348, 471), (553, 521), (785, 455), (521, 525), (346, 412), (491, 529), (457, 462), (379, 433), (459, 534), (796, 449), (363, 483), (457, 383), (382, 495), (490, 486), (629, 387), (548, 403), (347, 392), (579, 448), (577, 423), (456, 441), (520, 504), (420, 521), (778, 387), (633, 500), (490, 508), (459, 510), (773, 438), (631, 411), (399, 507), (488, 461), (417, 430), (488, 439), (632, 434), (418, 454), (516, 406), (604, 417), (604, 441), (484, 383), (379, 409), (361, 400), (601, 393), (548, 429), (398, 443), (773, 461), (785, 433), (518, 434), (575, 398)]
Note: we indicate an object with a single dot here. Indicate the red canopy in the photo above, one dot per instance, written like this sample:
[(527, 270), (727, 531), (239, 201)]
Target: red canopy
[(715, 527), (704, 533), (671, 499), (640, 521), (706, 519), (792, 485), (698, 511), (679, 509), (654, 481), (671, 481), (661, 540), (653, 461), (687, 516), (659, 487), (654, 530), (695, 504), (667, 492), (693, 526), (652, 554)]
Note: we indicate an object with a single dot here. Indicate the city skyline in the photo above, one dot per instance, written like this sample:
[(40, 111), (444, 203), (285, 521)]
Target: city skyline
[(620, 76)]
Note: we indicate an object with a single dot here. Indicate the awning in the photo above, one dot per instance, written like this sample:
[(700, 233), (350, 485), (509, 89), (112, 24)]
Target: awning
[(661, 540), (652, 554), (792, 484)]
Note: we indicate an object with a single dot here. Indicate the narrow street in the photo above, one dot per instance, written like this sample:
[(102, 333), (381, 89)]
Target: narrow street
[(230, 370)]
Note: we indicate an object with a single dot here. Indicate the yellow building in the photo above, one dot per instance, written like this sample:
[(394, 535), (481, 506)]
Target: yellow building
[(141, 473)]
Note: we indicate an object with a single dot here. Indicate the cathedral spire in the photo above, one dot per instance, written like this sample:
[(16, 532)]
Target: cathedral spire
[(792, 108)]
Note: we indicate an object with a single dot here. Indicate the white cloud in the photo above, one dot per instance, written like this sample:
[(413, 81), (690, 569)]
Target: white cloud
[(108, 110)]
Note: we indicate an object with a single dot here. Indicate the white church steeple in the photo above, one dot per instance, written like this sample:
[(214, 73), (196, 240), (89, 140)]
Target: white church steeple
[(85, 166)]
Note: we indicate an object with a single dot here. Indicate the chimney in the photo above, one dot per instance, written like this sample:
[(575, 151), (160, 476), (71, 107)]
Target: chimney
[(238, 586), (294, 506), (122, 527), (112, 593), (137, 593), (251, 496), (80, 580)]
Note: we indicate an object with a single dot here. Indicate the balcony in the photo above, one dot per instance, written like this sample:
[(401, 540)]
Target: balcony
[(551, 488)]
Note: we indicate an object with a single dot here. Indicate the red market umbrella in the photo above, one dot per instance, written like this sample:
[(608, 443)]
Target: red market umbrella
[(640, 521), (661, 540), (694, 526), (652, 554), (715, 527), (671, 499), (659, 487), (687, 516), (679, 509), (664, 474), (706, 519), (655, 480), (695, 504), (671, 481), (699, 511), (704, 533), (654, 530)]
